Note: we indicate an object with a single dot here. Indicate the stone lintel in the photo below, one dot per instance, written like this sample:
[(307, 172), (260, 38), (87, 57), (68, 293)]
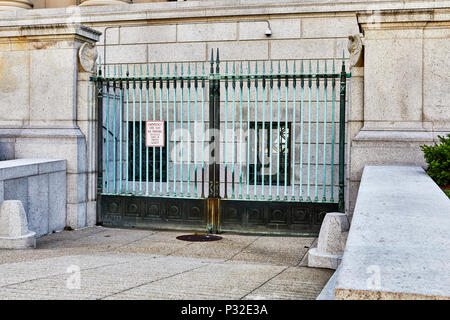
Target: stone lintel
[(222, 9), (50, 30)]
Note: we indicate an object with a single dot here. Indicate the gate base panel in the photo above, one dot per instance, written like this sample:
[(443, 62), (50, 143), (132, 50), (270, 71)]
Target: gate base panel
[(274, 217), (153, 212)]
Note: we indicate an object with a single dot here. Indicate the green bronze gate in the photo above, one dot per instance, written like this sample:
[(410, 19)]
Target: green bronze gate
[(257, 148)]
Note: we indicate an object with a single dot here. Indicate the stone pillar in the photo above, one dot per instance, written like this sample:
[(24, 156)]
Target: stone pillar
[(405, 93), (355, 117), (44, 107), (86, 3), (15, 4)]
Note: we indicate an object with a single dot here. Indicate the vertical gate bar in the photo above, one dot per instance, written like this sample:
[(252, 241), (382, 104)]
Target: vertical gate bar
[(140, 131), (270, 148), (98, 112), (147, 85), (263, 146), (181, 130), (195, 131), (211, 128), (127, 134), (294, 98), (189, 133), (100, 96), (161, 119), (316, 197), (309, 132), (203, 130), (248, 130), (226, 132), (278, 129), (217, 133), (240, 132), (302, 100), (154, 118), (255, 178), (120, 130), (168, 131), (233, 132), (342, 135), (134, 129), (174, 132), (286, 140), (324, 198), (333, 100), (114, 130), (107, 133)]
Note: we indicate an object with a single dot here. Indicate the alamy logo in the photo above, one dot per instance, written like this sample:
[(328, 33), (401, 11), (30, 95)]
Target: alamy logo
[(373, 282), (73, 282)]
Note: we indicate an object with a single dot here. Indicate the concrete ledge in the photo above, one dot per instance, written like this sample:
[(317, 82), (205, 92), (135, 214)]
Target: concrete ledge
[(398, 245), (13, 169), (41, 186)]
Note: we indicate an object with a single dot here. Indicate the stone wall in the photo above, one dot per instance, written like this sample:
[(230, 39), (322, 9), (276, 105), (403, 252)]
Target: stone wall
[(40, 184), (397, 247), (44, 99)]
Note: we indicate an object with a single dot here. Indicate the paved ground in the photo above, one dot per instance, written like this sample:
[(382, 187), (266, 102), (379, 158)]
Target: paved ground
[(102, 263)]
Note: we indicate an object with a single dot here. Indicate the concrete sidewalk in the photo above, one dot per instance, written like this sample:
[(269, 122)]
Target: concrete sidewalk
[(103, 263)]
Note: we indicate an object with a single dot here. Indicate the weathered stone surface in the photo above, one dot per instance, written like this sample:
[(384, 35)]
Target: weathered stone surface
[(14, 233), (38, 204), (329, 27), (398, 242), (145, 34), (327, 292), (57, 201), (331, 242), (302, 49), (41, 190), (176, 52), (333, 233), (207, 32)]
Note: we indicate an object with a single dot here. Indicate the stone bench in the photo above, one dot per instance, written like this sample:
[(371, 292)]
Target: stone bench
[(40, 184), (398, 245)]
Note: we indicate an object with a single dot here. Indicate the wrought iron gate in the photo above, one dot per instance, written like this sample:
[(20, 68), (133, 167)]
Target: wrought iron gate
[(251, 149)]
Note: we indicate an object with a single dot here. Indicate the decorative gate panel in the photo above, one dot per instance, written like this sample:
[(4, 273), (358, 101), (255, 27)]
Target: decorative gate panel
[(255, 148)]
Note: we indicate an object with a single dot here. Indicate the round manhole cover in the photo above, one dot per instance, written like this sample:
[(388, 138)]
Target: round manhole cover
[(199, 237)]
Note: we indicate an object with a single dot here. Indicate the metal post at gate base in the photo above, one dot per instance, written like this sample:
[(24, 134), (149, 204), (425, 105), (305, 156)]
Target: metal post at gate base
[(211, 150), (214, 139), (99, 87), (343, 86)]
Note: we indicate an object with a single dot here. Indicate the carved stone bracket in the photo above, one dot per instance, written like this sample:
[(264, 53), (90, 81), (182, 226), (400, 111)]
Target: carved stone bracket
[(355, 48), (88, 56)]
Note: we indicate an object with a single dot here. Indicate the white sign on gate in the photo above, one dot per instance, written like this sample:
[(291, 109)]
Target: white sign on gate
[(155, 134)]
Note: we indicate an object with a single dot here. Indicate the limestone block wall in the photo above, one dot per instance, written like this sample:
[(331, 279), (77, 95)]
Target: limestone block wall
[(39, 74), (40, 184), (404, 97)]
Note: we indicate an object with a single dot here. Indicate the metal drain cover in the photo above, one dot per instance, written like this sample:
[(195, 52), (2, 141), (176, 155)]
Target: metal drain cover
[(199, 237)]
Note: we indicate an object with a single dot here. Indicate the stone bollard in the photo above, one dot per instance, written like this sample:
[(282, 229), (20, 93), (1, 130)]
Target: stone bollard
[(331, 243), (14, 233)]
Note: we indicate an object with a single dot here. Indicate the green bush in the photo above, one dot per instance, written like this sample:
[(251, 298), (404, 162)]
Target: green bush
[(438, 159)]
